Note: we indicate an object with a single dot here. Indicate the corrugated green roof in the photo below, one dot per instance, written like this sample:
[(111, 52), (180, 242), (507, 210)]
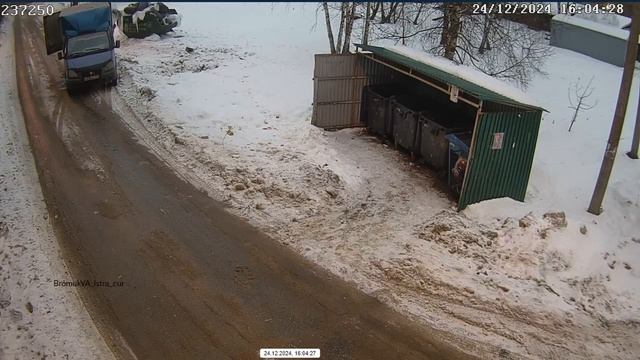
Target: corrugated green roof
[(469, 80)]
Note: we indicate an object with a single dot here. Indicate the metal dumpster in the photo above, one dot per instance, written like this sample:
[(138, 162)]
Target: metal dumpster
[(434, 147), (377, 110), (405, 116)]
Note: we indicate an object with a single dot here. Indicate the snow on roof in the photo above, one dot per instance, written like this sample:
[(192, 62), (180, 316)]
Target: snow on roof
[(467, 73), (623, 21), (615, 20), (610, 30)]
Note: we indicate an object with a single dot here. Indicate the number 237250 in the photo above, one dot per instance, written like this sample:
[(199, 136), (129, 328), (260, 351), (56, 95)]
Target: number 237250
[(26, 10)]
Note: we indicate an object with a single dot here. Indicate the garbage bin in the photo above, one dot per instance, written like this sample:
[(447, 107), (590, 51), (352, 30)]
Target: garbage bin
[(405, 114), (377, 110), (458, 154), (434, 147)]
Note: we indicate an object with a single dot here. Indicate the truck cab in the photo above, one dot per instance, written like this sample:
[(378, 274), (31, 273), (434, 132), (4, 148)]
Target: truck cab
[(82, 36)]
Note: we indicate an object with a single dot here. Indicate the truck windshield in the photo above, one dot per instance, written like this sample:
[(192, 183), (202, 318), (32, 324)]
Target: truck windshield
[(88, 43)]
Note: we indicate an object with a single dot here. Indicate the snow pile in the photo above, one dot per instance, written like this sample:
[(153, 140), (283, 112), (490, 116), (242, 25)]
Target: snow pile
[(459, 235), (508, 248)]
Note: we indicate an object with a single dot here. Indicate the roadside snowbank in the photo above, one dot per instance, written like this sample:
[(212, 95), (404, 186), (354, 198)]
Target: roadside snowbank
[(37, 320), (233, 114)]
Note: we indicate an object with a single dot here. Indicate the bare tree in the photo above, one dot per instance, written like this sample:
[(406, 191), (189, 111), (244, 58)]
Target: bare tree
[(418, 13), (398, 13), (445, 23), (348, 26), (579, 99), (347, 13), (489, 43), (452, 22), (343, 10), (502, 49), (327, 19), (374, 11), (484, 43), (367, 23), (595, 206)]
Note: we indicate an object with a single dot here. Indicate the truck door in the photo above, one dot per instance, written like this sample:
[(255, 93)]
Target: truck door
[(52, 33)]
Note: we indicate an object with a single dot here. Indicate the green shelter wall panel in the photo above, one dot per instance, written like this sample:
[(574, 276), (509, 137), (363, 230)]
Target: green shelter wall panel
[(503, 172)]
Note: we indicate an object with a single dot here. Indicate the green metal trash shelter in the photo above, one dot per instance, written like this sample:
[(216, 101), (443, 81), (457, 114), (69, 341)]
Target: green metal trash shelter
[(501, 122)]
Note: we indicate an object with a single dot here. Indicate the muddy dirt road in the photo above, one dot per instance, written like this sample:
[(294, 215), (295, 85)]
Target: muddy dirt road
[(196, 282)]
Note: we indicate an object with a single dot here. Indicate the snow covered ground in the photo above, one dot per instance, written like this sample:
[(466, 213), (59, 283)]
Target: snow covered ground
[(37, 320), (563, 177), (227, 99)]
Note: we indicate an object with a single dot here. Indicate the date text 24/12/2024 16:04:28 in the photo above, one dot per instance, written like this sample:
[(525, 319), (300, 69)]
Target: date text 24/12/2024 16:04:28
[(545, 8)]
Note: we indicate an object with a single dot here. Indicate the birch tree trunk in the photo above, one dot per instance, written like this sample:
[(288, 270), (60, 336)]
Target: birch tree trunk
[(341, 30), (348, 28), (327, 19)]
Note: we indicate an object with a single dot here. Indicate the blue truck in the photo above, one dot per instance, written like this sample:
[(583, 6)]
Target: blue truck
[(82, 35)]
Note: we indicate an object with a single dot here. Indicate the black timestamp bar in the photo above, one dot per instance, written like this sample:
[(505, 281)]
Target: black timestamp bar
[(26, 9), (510, 8)]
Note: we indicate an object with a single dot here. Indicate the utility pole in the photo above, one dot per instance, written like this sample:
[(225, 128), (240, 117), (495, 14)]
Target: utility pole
[(635, 143), (595, 207)]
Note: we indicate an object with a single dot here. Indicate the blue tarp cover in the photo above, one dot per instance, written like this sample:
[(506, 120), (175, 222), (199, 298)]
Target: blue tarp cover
[(457, 145), (82, 19)]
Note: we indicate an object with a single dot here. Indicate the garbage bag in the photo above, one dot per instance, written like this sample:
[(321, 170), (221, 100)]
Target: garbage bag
[(143, 19)]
